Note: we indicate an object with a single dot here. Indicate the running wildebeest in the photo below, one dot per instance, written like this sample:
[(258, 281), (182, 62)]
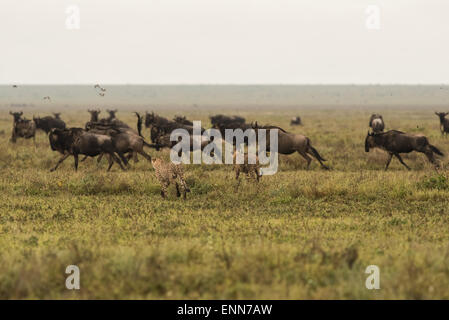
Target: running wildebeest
[(444, 123), (376, 122), (289, 143), (295, 121), (395, 142), (125, 140), (48, 123), (22, 128), (76, 141)]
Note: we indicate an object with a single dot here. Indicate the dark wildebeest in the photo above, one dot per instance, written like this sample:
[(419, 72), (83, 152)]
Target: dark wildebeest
[(222, 120), (182, 120), (395, 142), (295, 121), (111, 114), (153, 119), (76, 141), (376, 122), (94, 115), (48, 123), (22, 128), (444, 123), (289, 143), (126, 140)]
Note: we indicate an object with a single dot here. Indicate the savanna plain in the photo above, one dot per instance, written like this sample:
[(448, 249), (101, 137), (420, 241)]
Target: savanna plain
[(299, 234)]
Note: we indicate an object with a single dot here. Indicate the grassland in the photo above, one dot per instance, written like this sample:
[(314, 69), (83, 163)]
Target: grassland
[(297, 235)]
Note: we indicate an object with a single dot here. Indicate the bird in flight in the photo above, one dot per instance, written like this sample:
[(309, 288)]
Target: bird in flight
[(46, 98)]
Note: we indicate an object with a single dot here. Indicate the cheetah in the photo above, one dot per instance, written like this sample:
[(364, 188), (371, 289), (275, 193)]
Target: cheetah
[(246, 167), (168, 172)]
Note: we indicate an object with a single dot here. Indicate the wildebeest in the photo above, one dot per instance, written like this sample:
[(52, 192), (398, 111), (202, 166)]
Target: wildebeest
[(76, 141), (94, 115), (395, 142), (154, 119), (221, 120), (182, 120), (111, 114), (161, 127), (444, 123), (22, 128), (126, 140), (376, 122), (289, 143), (47, 123), (295, 121)]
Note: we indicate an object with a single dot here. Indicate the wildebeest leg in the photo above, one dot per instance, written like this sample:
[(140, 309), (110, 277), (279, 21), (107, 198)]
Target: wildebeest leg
[(315, 154), (84, 159), (400, 159), (429, 155), (390, 156), (135, 157), (75, 156), (123, 158), (100, 157), (145, 155), (63, 157), (118, 160), (111, 162), (305, 156)]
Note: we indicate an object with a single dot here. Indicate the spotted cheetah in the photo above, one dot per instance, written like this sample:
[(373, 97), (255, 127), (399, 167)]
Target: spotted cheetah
[(246, 167), (168, 172)]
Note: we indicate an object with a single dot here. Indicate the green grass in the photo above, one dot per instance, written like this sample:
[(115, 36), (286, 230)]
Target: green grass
[(296, 235)]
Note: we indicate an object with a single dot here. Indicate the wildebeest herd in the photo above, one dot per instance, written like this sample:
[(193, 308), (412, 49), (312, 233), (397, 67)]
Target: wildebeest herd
[(120, 143)]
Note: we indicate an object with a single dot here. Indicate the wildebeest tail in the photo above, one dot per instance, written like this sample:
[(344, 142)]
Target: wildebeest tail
[(436, 150), (139, 124), (316, 154), (314, 151)]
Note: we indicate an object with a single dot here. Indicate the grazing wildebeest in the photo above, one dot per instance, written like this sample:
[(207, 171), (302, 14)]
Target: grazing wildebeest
[(48, 123), (289, 143), (76, 141), (295, 121), (94, 115), (444, 123), (376, 122), (22, 128), (395, 142)]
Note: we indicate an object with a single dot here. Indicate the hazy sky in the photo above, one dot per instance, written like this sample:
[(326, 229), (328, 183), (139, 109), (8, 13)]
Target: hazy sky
[(224, 41)]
